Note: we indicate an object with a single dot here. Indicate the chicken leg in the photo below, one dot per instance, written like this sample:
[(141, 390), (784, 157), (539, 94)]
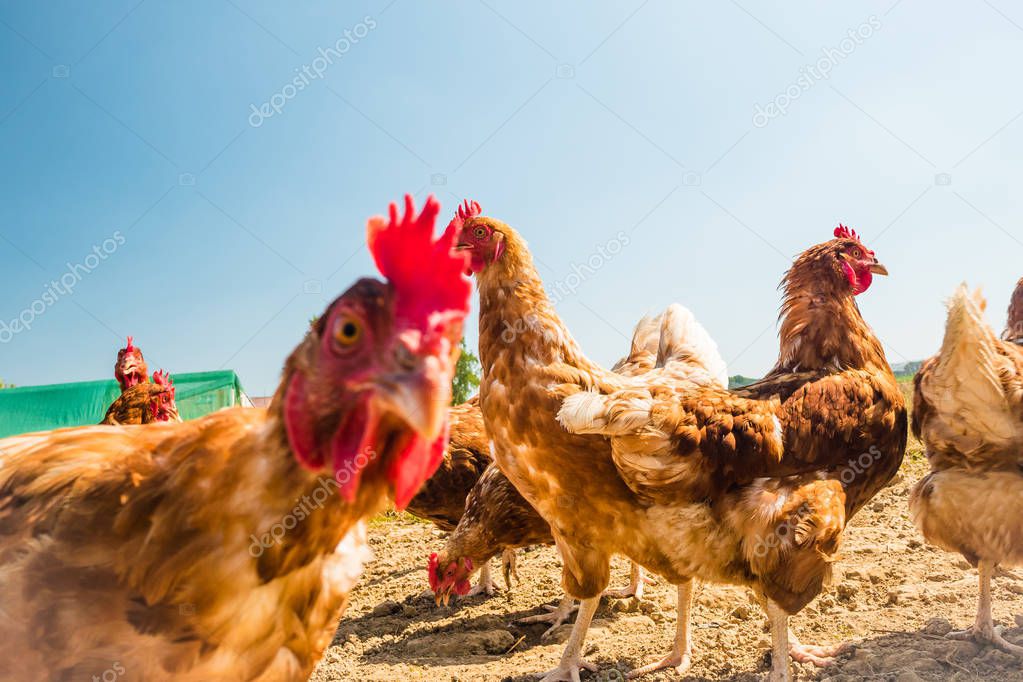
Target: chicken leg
[(818, 656), (509, 564), (571, 660), (779, 642), (680, 657), (485, 584), (984, 629), (637, 580)]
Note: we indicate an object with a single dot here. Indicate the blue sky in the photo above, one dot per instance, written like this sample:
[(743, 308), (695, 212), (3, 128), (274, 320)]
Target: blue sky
[(575, 122)]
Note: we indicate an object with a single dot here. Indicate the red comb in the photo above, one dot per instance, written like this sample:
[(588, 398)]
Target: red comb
[(162, 378), (427, 274), (843, 232), (431, 571), (468, 209), (130, 347)]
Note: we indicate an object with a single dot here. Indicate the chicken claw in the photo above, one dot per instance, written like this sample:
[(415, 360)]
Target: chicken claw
[(992, 636), (568, 671), (984, 629), (637, 580), (556, 615), (818, 656), (680, 657)]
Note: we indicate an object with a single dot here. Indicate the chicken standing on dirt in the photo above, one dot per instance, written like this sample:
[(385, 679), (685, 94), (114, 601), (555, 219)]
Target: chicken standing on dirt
[(968, 411), (158, 548), (497, 518), (692, 482)]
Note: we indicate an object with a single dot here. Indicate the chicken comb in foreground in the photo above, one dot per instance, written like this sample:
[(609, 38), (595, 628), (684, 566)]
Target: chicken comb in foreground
[(467, 209), (131, 346), (843, 232), (426, 272)]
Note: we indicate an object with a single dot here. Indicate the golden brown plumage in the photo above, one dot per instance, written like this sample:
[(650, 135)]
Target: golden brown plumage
[(442, 498), (224, 548), (776, 455), (968, 411), (141, 404), (497, 518)]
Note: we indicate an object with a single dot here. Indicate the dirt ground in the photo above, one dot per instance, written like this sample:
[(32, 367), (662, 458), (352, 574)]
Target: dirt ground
[(893, 597)]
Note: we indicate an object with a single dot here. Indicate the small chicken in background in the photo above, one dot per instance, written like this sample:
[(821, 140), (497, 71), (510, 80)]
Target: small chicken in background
[(145, 402), (130, 367), (157, 547), (968, 411)]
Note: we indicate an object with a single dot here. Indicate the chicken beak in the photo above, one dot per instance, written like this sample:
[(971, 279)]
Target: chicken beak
[(878, 269), (418, 396)]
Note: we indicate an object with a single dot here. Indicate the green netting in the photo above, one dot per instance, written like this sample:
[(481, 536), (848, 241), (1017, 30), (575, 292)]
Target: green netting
[(40, 408)]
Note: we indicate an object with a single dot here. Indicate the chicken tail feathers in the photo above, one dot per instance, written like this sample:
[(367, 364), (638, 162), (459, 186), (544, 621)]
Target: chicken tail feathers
[(623, 413), (686, 345), (643, 352), (964, 386)]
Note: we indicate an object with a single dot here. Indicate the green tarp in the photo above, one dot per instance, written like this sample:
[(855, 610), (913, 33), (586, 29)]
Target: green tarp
[(41, 408)]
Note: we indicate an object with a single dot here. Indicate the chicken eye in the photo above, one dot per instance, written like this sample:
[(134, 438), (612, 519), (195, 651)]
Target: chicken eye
[(856, 253), (480, 233), (347, 331)]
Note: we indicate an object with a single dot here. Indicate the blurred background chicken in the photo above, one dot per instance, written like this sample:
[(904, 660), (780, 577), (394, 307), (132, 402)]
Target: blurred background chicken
[(130, 366), (144, 402), (968, 411), (157, 547)]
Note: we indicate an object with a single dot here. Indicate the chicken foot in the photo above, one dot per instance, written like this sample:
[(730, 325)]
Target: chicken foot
[(556, 615), (818, 656), (680, 657), (571, 660), (984, 629), (638, 579)]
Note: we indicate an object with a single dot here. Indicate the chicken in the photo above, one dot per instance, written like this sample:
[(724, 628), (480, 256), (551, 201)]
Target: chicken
[(224, 548), (750, 488), (498, 519), (130, 367), (968, 411), (145, 402), (1014, 325), (442, 498)]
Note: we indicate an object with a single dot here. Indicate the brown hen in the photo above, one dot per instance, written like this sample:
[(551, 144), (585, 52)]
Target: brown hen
[(968, 411), (224, 548), (751, 488)]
